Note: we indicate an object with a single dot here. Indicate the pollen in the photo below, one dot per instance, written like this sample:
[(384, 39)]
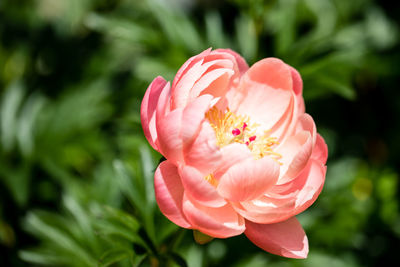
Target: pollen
[(231, 128), (210, 178)]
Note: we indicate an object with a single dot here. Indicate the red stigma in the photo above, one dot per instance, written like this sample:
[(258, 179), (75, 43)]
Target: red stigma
[(244, 126), (252, 138), (247, 143), (236, 132)]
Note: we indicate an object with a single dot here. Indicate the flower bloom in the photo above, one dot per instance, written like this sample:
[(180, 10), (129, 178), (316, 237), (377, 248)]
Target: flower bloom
[(242, 156)]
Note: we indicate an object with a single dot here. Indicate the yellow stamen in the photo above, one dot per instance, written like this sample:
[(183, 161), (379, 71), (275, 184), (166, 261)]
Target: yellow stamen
[(231, 128), (210, 178)]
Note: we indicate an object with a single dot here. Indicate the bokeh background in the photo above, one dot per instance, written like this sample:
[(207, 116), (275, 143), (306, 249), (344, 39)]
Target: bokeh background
[(75, 169)]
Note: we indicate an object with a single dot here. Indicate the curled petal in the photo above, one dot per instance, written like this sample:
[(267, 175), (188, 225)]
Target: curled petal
[(242, 65), (204, 152), (272, 72), (286, 238), (320, 151), (298, 89), (231, 154), (248, 179), (221, 222), (286, 200), (208, 73), (188, 65), (178, 129), (192, 117), (148, 110), (169, 138), (181, 90), (214, 82), (169, 193), (295, 151), (199, 188), (262, 103), (306, 123)]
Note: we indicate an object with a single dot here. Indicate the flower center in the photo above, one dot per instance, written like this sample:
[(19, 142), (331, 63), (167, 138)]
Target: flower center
[(231, 128)]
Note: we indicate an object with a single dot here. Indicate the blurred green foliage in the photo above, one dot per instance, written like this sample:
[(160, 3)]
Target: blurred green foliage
[(76, 172)]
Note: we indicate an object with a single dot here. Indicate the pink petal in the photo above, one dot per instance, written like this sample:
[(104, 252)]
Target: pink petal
[(306, 123), (169, 193), (286, 238), (178, 129), (262, 103), (320, 151), (272, 72), (180, 93), (192, 117), (248, 179), (169, 139), (188, 65), (194, 77), (298, 89), (214, 82), (241, 62), (204, 153), (221, 222), (199, 188), (232, 154), (287, 200), (148, 109), (285, 127), (295, 151), (311, 187)]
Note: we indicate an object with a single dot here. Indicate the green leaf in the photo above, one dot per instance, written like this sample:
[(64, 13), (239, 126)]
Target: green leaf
[(83, 220), (215, 32), (43, 257), (176, 25), (9, 108), (246, 37), (122, 217), (125, 181), (112, 256), (26, 123), (60, 239)]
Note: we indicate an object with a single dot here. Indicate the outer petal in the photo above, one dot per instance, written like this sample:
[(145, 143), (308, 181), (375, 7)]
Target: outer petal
[(241, 62), (178, 129), (296, 149), (199, 188), (169, 193), (189, 64), (215, 82), (248, 179), (298, 89), (272, 72), (320, 152), (287, 200), (208, 73), (306, 123), (219, 222), (148, 110), (296, 152), (169, 138), (285, 238)]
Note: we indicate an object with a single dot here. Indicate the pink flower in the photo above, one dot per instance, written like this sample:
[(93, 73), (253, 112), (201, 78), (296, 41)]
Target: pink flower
[(242, 156)]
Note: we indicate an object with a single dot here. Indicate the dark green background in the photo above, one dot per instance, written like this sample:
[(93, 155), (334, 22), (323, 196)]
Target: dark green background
[(76, 171)]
